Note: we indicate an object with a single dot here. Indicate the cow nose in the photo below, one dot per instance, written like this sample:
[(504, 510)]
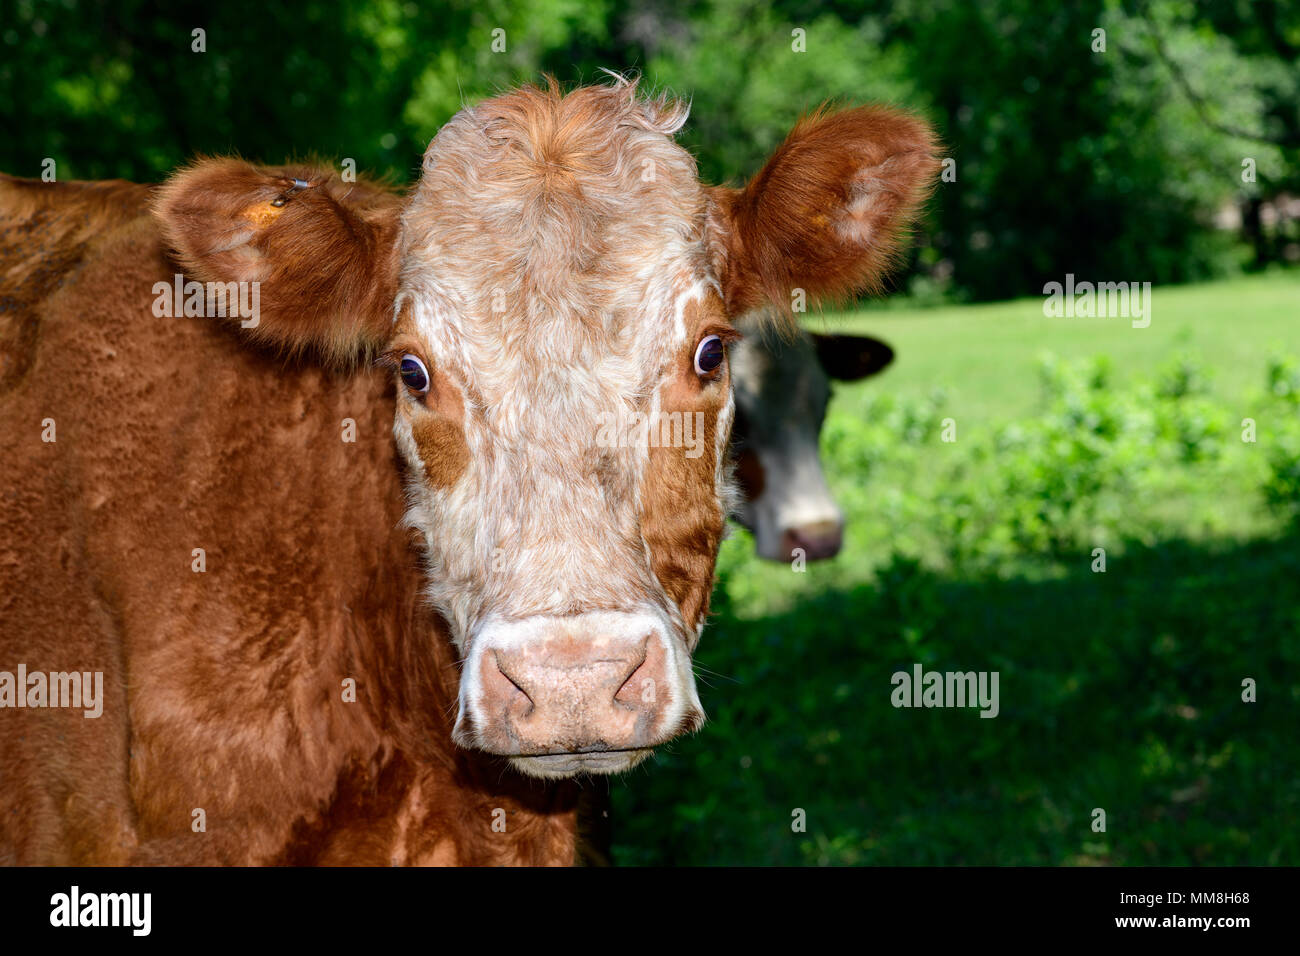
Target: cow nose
[(818, 540), (569, 695)]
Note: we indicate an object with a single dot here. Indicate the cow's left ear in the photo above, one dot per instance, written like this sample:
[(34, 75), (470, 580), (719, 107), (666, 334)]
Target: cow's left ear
[(322, 252), (828, 211), (848, 358)]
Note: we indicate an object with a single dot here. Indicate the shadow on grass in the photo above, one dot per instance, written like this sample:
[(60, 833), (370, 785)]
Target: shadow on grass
[(1120, 691)]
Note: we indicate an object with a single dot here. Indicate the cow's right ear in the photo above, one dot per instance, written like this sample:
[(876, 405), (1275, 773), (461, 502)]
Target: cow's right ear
[(848, 358), (322, 252)]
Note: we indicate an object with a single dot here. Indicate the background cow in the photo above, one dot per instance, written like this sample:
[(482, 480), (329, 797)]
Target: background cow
[(304, 576), (782, 386)]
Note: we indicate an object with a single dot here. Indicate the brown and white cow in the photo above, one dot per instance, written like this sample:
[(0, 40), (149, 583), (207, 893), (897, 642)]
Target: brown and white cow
[(782, 388), (347, 610)]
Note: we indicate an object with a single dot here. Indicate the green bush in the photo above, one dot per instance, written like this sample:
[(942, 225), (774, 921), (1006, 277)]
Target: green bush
[(1282, 484)]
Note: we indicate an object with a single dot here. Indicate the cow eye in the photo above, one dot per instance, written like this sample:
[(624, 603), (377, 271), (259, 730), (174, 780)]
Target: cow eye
[(414, 374), (709, 355)]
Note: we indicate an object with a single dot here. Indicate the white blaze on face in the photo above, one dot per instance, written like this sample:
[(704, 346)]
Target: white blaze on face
[(795, 497), (540, 552)]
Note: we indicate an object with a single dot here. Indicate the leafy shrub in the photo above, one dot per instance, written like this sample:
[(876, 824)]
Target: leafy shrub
[(1282, 484)]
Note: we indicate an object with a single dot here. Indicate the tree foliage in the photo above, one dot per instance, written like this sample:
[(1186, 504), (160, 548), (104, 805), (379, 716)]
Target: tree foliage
[(1107, 162)]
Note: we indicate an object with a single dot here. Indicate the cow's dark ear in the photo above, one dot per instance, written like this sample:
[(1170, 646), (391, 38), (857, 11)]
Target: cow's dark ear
[(851, 357), (322, 252)]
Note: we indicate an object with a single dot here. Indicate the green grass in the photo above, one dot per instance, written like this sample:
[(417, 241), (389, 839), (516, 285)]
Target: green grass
[(984, 354), (1119, 691)]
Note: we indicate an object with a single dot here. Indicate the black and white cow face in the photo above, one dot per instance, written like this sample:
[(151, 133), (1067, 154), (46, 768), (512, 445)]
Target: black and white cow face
[(782, 389)]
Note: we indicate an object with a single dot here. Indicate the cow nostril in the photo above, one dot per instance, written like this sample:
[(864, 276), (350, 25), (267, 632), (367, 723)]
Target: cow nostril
[(513, 682), (818, 540), (631, 689)]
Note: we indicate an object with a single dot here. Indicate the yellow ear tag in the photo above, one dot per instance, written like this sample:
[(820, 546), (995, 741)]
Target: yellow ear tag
[(263, 214)]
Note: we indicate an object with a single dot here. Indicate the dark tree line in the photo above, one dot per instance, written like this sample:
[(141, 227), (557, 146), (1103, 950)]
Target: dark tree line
[(1107, 154)]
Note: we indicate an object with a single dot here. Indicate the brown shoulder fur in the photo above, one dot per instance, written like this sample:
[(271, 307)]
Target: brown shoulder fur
[(223, 684)]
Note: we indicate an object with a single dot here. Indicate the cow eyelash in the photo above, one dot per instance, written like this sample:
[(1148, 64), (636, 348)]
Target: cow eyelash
[(724, 332)]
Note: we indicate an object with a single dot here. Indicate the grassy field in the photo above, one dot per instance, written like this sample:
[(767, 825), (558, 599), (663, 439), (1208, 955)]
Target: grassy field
[(1119, 691), (984, 355)]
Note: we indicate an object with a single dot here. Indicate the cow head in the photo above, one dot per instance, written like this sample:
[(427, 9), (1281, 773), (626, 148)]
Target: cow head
[(557, 278), (782, 388)]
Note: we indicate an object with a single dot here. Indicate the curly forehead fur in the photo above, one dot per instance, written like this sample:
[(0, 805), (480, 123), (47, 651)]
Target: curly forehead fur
[(565, 206)]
